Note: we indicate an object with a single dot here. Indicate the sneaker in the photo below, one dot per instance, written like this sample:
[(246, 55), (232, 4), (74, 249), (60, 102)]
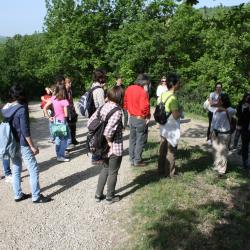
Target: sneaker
[(99, 198), (23, 197), (8, 178), (62, 159), (75, 142), (114, 199), (43, 199), (209, 142), (71, 146)]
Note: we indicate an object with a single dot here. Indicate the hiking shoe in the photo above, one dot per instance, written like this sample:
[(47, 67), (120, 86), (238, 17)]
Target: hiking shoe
[(23, 197), (140, 164), (8, 178), (99, 198), (114, 199), (43, 199), (62, 159)]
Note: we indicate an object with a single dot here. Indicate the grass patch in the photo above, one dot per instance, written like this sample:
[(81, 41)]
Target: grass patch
[(193, 210)]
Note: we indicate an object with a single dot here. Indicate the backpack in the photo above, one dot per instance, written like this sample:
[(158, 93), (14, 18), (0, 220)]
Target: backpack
[(86, 103), (96, 141), (9, 142), (160, 114)]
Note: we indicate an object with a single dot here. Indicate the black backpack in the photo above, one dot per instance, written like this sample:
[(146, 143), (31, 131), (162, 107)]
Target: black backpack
[(96, 141), (160, 114), (86, 103)]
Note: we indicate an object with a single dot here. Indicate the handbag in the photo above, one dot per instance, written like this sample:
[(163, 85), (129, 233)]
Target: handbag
[(59, 129), (206, 104)]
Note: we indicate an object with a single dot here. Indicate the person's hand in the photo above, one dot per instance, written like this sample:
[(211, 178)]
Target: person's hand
[(110, 144), (51, 119), (35, 150), (147, 121)]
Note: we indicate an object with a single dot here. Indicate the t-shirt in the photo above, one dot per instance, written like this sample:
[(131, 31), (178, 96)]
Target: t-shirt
[(160, 90), (214, 100), (220, 120), (59, 106), (46, 99), (172, 102)]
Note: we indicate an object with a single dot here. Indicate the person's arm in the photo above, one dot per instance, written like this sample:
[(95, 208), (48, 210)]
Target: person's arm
[(45, 109), (25, 131), (65, 109), (100, 100), (112, 125), (144, 105)]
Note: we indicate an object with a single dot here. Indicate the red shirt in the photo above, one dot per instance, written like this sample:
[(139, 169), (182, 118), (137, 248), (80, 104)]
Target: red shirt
[(136, 101)]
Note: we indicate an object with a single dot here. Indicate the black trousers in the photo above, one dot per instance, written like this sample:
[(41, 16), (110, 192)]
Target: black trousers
[(210, 117), (245, 138)]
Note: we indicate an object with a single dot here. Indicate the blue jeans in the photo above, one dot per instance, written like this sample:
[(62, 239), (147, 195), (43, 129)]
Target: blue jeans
[(50, 131), (62, 142), (30, 161), (6, 167)]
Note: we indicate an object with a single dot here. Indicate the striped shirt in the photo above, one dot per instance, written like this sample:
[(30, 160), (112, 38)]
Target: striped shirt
[(113, 129)]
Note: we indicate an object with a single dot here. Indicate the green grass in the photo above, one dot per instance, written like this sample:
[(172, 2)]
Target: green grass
[(193, 210)]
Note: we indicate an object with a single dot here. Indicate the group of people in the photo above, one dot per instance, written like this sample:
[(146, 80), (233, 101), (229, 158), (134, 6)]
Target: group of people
[(58, 107)]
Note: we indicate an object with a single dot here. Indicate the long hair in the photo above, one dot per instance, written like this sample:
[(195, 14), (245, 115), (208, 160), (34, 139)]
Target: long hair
[(60, 92)]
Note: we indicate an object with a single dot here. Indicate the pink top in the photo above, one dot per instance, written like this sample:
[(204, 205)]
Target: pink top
[(59, 106)]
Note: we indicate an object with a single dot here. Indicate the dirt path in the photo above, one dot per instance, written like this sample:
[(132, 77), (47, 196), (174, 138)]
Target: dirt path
[(73, 220)]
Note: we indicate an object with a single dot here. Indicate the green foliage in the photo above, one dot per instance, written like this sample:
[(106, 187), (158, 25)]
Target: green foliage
[(131, 37), (193, 210)]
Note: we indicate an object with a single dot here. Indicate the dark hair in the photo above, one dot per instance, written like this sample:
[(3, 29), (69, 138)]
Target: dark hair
[(246, 98), (225, 100), (99, 75), (172, 80), (116, 94), (143, 79), (60, 92), (59, 79), (217, 83), (17, 93)]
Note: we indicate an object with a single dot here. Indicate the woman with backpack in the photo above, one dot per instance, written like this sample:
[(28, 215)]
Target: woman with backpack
[(113, 135), (221, 132), (17, 112), (170, 132), (60, 106)]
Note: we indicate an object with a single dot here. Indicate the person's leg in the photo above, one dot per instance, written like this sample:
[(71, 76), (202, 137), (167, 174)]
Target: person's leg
[(162, 155), (132, 139), (50, 132), (114, 165), (171, 160), (245, 147), (141, 139), (16, 175), (6, 167), (102, 178), (57, 146), (32, 166), (210, 117), (63, 146), (125, 113), (236, 138)]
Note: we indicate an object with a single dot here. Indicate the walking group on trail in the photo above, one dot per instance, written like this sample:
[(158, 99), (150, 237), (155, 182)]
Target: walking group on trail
[(108, 113)]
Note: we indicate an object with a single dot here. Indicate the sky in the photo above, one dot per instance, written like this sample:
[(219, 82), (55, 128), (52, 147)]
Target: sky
[(26, 16)]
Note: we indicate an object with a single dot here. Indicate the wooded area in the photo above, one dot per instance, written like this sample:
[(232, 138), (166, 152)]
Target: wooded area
[(127, 37)]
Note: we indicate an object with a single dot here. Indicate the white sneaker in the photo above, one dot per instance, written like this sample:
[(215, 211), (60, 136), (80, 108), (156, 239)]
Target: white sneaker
[(8, 179), (209, 142), (62, 159)]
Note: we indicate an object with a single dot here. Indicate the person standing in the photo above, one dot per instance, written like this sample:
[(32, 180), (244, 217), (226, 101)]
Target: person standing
[(136, 102), (113, 134), (72, 115), (162, 88), (60, 107), (170, 132), (18, 108), (213, 103), (99, 80)]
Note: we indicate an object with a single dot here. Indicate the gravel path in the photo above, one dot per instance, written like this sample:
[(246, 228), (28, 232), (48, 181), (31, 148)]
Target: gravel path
[(73, 220)]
